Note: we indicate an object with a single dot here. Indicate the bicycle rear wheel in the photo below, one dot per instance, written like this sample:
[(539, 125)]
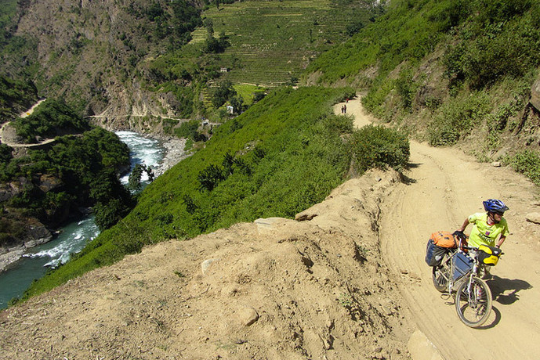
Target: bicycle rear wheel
[(473, 304), (441, 275)]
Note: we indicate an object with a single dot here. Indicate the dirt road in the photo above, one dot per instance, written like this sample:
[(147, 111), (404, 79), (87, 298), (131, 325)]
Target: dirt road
[(8, 134), (444, 187)]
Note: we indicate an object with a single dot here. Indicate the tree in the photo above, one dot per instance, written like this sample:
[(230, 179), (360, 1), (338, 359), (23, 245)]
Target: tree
[(191, 207), (113, 200), (224, 92), (5, 154), (227, 163), (215, 46), (237, 103), (108, 214), (134, 182), (209, 24), (210, 177), (354, 27)]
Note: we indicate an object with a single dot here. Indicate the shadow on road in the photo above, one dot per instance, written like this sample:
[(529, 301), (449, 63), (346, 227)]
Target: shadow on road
[(505, 291)]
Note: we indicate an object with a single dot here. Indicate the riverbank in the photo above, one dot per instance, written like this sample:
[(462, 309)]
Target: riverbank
[(174, 153), (9, 255)]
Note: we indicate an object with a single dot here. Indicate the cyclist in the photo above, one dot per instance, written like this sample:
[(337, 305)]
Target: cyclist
[(490, 228)]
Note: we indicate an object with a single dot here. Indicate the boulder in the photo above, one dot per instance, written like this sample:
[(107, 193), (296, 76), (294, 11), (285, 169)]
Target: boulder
[(49, 182), (533, 217), (205, 265), (247, 315)]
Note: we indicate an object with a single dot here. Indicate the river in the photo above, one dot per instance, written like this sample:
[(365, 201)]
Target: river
[(76, 235)]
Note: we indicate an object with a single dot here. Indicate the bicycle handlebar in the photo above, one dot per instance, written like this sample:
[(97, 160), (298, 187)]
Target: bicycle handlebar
[(476, 248)]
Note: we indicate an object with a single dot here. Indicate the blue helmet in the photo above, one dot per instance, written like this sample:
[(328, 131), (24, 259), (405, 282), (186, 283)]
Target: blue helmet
[(495, 206)]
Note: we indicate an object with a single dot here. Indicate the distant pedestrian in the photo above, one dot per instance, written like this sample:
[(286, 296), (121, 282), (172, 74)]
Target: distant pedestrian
[(344, 109)]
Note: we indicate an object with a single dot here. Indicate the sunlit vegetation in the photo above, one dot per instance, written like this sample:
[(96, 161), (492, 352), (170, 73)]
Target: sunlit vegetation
[(50, 119), (447, 71)]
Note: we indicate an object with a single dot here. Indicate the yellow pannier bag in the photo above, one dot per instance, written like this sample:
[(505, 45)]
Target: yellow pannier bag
[(489, 255)]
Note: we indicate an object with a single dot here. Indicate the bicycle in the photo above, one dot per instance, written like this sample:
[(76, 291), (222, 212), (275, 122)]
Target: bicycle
[(462, 271)]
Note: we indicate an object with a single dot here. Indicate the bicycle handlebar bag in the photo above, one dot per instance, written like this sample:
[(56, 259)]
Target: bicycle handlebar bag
[(489, 255)]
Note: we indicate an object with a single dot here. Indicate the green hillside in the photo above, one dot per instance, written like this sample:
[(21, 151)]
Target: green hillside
[(260, 44), (143, 48), (273, 41), (450, 72)]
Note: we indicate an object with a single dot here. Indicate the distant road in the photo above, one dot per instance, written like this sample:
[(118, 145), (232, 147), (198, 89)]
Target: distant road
[(7, 133), (31, 110)]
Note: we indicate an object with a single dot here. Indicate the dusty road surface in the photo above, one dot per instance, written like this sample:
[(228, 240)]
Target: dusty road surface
[(347, 280), (444, 186)]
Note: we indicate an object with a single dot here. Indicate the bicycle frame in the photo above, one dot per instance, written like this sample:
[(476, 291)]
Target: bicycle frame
[(470, 274)]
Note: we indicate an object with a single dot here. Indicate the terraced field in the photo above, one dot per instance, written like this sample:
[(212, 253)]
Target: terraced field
[(270, 53)]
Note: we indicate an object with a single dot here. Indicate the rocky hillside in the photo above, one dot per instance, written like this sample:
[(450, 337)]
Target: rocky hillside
[(93, 53)]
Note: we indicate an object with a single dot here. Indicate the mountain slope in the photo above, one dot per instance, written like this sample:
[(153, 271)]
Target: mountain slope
[(128, 64)]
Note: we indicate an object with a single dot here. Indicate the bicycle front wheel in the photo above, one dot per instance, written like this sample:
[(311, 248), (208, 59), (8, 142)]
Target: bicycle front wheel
[(473, 302)]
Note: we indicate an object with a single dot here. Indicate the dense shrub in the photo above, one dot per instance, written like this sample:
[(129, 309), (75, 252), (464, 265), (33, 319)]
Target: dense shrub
[(84, 169), (486, 51), (379, 147), (187, 129), (223, 93), (457, 118)]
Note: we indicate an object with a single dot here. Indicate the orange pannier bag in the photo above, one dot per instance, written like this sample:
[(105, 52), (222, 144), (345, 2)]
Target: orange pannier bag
[(445, 239)]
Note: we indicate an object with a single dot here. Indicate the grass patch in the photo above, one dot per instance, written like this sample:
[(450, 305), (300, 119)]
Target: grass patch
[(248, 92)]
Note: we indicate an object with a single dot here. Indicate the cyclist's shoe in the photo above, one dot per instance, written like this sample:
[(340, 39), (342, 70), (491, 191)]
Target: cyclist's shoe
[(486, 274)]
